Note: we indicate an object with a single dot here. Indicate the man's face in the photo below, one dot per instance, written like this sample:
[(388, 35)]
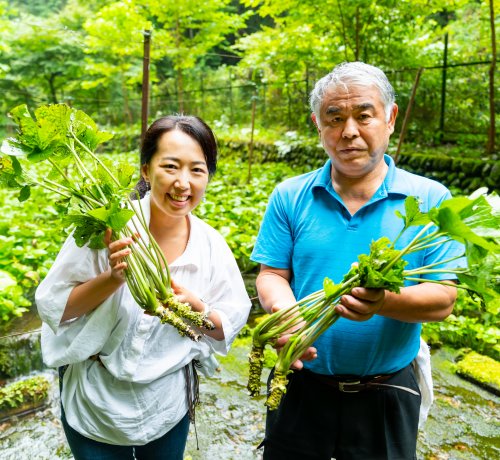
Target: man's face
[(353, 129)]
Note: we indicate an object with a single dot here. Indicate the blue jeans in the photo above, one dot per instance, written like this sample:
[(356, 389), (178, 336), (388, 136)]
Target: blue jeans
[(169, 447)]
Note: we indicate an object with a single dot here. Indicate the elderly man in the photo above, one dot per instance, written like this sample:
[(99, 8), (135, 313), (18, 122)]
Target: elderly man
[(316, 225)]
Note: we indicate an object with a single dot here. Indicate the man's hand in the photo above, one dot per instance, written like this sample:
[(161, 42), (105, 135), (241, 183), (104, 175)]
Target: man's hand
[(310, 354), (361, 304)]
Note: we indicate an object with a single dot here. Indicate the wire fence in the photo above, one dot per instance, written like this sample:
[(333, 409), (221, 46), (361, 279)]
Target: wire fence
[(457, 109)]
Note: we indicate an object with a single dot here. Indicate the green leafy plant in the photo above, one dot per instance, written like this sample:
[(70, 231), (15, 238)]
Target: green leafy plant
[(92, 198), (29, 391), (471, 221), (473, 324), (236, 208)]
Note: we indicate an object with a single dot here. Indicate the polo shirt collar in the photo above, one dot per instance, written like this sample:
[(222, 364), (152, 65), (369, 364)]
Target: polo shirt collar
[(393, 182)]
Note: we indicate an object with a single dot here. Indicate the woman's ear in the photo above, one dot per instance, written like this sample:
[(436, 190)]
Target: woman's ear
[(145, 172)]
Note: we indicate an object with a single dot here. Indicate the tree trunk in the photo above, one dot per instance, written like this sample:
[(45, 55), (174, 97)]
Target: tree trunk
[(344, 35), (145, 84), (250, 146), (407, 114), (52, 87), (491, 132), (180, 86), (443, 88), (356, 51)]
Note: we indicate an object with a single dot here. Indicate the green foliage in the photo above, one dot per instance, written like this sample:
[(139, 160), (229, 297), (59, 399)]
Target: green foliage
[(19, 355), (232, 204), (29, 241), (371, 267), (12, 300), (29, 391), (458, 169), (472, 325)]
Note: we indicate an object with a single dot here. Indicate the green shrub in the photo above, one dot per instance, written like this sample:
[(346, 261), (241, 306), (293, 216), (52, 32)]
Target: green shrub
[(29, 391)]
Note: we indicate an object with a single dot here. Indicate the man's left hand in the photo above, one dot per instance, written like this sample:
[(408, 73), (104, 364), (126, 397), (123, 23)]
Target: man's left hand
[(361, 303)]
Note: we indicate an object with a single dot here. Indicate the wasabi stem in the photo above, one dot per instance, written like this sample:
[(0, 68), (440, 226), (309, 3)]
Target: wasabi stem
[(93, 187)]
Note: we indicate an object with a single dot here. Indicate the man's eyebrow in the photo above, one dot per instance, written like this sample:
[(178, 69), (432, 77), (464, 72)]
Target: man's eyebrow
[(332, 109), (364, 106)]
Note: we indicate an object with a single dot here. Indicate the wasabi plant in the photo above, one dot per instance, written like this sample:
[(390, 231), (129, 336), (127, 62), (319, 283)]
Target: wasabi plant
[(473, 221), (93, 195)]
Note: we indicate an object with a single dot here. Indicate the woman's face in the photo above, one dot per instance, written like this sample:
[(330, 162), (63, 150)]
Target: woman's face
[(177, 173)]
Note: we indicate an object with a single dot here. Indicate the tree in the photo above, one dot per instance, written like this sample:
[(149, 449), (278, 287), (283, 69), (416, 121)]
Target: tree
[(114, 37), (44, 58), (186, 31)]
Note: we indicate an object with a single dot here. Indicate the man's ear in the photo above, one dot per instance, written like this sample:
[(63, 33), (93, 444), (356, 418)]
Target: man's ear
[(392, 120), (315, 121)]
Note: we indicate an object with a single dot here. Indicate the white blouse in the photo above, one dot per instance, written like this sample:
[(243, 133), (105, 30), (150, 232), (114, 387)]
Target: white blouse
[(138, 393)]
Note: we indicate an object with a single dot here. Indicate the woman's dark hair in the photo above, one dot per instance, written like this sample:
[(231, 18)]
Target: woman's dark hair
[(191, 125)]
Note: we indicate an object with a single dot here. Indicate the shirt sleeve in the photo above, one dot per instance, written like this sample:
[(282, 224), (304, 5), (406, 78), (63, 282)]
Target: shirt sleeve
[(227, 296), (274, 245), (75, 340)]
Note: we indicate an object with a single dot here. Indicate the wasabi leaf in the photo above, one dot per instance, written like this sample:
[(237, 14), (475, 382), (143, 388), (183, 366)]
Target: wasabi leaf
[(330, 288), (413, 215)]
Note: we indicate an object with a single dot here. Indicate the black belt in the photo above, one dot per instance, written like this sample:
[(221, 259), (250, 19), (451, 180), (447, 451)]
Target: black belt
[(357, 384)]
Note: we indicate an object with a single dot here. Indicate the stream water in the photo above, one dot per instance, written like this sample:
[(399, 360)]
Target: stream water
[(464, 422)]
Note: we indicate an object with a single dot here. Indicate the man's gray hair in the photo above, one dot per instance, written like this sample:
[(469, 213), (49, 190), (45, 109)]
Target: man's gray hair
[(353, 73)]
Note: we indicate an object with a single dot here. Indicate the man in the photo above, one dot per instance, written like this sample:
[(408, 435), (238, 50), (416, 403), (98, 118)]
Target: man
[(315, 226)]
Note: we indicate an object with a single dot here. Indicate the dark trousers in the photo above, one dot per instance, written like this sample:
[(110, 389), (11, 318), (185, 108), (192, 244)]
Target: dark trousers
[(318, 422)]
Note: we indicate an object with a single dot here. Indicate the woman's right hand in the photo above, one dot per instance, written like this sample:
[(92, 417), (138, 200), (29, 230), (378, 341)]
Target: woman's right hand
[(118, 251)]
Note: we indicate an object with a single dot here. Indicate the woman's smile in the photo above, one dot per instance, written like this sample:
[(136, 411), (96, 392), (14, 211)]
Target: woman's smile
[(178, 175), (178, 200)]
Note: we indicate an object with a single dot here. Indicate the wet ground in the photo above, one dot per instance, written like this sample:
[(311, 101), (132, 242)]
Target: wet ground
[(464, 422)]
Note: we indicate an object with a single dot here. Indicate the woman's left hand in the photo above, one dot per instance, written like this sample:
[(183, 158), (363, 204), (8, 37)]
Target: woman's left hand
[(186, 296)]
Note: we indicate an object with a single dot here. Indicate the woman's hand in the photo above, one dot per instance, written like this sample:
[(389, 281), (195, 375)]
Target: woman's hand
[(186, 296), (118, 251)]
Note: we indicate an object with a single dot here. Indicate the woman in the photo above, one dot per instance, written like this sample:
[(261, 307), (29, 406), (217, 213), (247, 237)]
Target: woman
[(128, 385)]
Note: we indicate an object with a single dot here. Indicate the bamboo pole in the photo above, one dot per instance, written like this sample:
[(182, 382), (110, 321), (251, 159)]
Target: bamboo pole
[(491, 132), (404, 127), (250, 146), (145, 83)]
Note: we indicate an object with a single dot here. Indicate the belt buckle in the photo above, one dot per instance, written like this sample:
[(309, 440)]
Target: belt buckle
[(344, 386)]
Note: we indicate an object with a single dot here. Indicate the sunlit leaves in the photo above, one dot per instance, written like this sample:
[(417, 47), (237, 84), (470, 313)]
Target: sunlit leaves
[(412, 215), (376, 269)]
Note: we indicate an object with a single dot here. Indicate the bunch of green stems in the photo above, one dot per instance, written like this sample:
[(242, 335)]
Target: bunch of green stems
[(147, 274), (311, 316)]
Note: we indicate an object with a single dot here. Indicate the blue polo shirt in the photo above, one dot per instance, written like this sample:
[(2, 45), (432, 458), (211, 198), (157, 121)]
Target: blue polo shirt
[(308, 230)]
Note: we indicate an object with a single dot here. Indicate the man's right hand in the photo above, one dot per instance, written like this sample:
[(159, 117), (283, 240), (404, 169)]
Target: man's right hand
[(310, 354)]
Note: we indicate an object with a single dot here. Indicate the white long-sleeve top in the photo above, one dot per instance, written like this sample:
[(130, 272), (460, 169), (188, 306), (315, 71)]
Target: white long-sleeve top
[(138, 393)]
